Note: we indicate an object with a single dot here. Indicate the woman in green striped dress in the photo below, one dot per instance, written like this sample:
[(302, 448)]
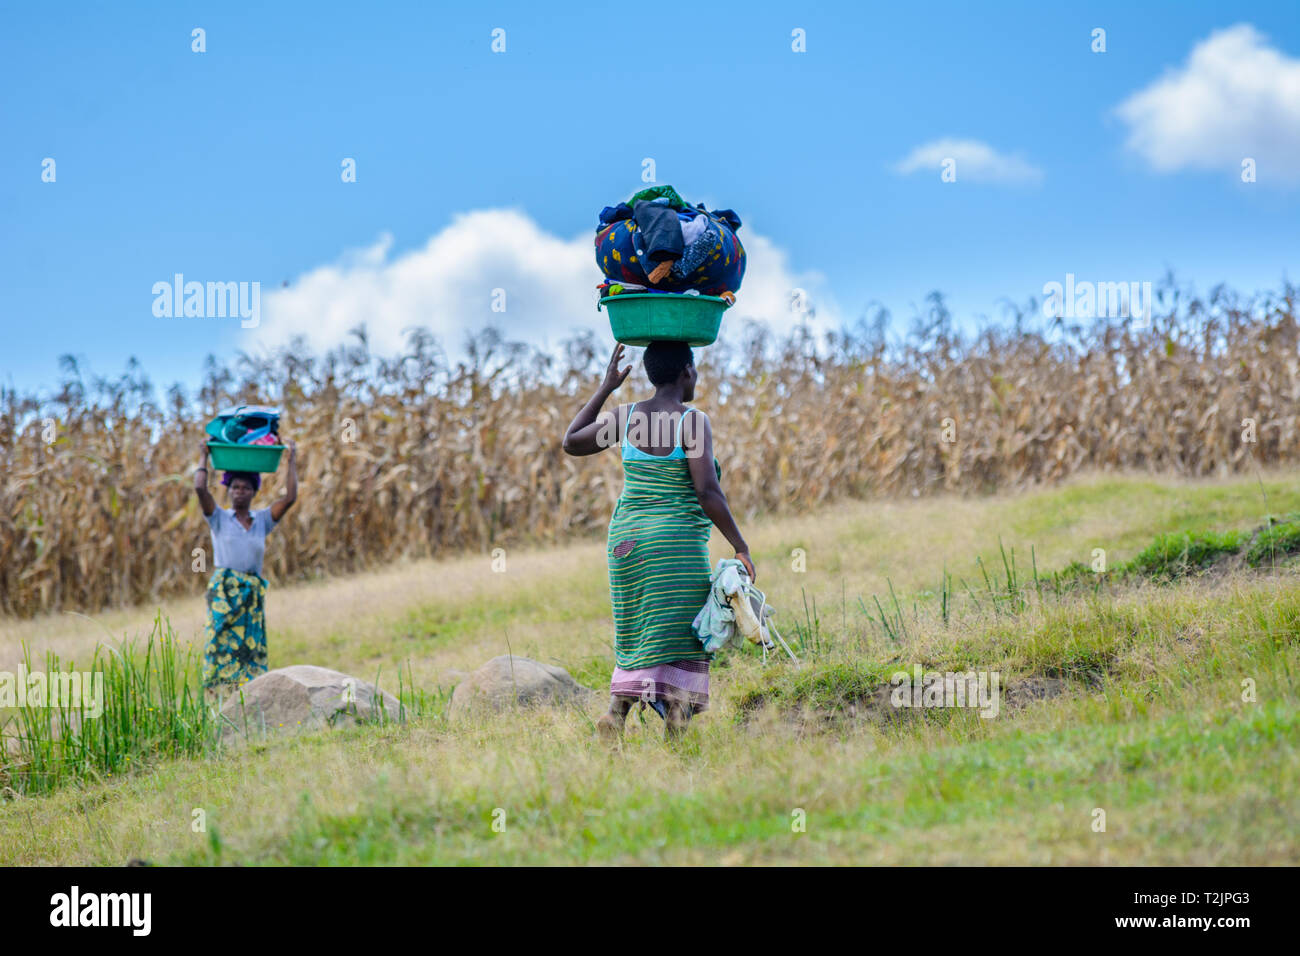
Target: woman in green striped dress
[(658, 545)]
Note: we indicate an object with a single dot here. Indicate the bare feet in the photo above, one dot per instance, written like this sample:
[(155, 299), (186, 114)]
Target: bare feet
[(609, 727), (676, 720)]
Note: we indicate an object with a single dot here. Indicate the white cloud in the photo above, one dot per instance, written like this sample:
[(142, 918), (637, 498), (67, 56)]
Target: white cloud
[(447, 286), (975, 161), (1235, 97)]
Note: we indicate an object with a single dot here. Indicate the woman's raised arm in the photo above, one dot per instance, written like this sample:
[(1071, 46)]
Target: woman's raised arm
[(591, 429), (206, 501), (285, 502)]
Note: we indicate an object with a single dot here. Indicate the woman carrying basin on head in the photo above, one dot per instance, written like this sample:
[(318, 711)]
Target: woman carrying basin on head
[(236, 625), (658, 547)]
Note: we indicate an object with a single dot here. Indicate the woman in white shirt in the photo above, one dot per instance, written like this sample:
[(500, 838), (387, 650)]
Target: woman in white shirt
[(236, 625)]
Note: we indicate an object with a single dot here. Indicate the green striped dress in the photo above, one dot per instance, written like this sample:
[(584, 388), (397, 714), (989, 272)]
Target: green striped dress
[(658, 550)]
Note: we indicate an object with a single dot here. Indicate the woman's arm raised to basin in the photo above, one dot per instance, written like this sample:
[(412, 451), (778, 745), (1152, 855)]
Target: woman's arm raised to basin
[(285, 502), (591, 429), (206, 501)]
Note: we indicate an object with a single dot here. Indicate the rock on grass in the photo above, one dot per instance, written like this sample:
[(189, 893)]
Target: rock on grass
[(508, 680), (304, 697)]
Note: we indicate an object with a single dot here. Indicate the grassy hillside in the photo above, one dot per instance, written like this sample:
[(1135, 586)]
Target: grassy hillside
[(1126, 698)]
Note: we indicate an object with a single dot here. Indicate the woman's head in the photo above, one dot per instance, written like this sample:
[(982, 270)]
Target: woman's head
[(668, 363), (243, 485)]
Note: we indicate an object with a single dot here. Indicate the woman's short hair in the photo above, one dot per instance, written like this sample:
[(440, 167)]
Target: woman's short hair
[(252, 477), (665, 361)]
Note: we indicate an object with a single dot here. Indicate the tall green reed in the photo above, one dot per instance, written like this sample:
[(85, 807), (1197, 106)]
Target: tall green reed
[(150, 706)]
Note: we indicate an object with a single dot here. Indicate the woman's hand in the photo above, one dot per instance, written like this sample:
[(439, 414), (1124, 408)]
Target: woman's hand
[(590, 430), (613, 377), (203, 454), (743, 558), (293, 449)]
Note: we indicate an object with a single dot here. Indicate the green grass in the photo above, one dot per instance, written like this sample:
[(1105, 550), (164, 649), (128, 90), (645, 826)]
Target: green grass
[(151, 708), (951, 803), (148, 706), (1176, 714), (826, 685), (1178, 553), (1274, 544)]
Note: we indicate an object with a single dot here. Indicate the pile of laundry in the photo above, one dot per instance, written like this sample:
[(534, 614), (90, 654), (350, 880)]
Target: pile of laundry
[(246, 425), (656, 242)]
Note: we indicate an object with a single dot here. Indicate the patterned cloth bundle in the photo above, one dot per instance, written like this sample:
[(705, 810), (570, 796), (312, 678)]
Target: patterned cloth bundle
[(656, 242)]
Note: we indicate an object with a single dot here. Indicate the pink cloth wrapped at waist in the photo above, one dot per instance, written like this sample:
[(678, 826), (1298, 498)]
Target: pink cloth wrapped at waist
[(685, 681)]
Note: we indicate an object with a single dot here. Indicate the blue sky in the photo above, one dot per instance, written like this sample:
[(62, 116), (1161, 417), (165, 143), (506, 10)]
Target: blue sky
[(479, 170)]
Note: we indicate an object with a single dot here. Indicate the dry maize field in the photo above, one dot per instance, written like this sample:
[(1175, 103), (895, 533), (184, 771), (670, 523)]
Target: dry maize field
[(417, 456)]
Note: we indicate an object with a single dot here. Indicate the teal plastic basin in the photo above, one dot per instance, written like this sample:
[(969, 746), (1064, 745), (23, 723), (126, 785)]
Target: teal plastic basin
[(228, 457), (642, 318)]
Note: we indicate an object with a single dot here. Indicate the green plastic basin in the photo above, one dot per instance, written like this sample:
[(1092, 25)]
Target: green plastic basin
[(642, 318), (228, 457)]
